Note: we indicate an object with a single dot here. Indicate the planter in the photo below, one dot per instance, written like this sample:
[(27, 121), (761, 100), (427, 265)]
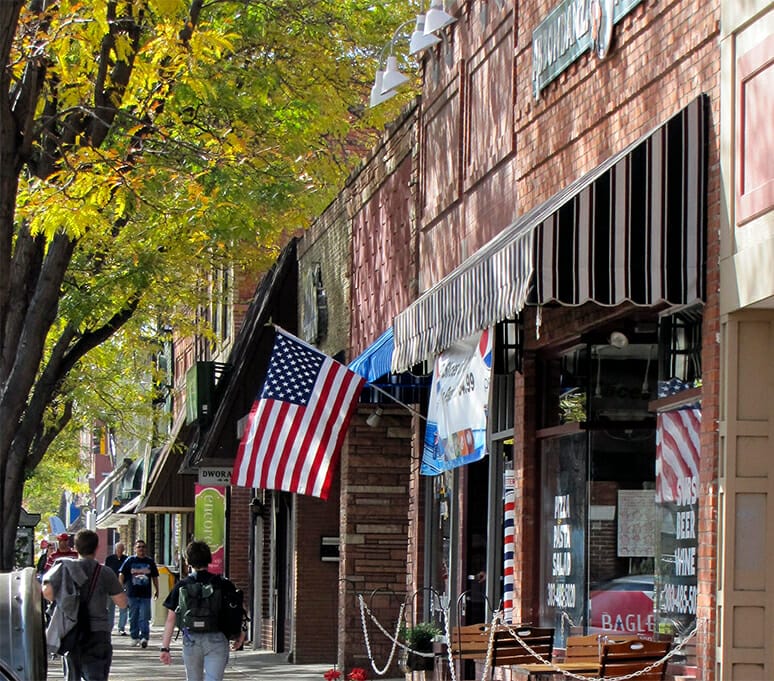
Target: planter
[(410, 662), (418, 663)]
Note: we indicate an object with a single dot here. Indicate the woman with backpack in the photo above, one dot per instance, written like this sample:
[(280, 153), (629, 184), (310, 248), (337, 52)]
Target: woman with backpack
[(201, 607)]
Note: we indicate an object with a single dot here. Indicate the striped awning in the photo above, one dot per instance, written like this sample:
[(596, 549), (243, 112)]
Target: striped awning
[(631, 230)]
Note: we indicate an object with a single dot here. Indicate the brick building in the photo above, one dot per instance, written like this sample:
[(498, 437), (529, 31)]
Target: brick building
[(567, 183), (567, 195)]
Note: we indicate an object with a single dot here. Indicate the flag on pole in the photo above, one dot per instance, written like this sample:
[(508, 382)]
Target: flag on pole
[(298, 421)]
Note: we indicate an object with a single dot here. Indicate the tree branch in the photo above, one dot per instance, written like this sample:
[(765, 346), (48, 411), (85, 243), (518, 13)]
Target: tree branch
[(45, 436)]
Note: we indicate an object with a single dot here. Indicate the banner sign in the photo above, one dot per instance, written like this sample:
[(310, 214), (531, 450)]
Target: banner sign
[(459, 401), (210, 522), (678, 450)]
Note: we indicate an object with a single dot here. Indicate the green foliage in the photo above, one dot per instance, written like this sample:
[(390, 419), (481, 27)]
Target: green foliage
[(149, 144), (420, 636), (572, 406)]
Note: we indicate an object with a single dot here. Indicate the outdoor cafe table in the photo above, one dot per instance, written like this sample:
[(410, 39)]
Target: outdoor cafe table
[(587, 667)]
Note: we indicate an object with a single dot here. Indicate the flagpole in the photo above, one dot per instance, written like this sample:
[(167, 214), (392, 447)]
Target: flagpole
[(395, 399), (370, 385)]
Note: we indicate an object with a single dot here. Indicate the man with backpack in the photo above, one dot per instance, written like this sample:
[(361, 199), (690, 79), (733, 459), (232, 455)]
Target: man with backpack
[(79, 629), (208, 611)]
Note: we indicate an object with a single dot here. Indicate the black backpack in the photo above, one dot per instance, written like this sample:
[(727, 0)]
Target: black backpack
[(232, 614), (199, 605), (81, 630), (214, 606)]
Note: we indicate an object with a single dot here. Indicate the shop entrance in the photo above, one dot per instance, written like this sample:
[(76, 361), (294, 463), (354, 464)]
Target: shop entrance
[(598, 515)]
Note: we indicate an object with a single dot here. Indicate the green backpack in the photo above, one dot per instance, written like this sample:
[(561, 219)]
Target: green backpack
[(199, 606)]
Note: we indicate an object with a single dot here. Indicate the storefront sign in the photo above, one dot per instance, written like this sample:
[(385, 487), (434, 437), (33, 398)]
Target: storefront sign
[(210, 522), (562, 592), (630, 612), (570, 29), (459, 399), (218, 476)]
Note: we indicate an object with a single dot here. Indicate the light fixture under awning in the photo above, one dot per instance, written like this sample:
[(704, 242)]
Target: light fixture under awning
[(632, 229)]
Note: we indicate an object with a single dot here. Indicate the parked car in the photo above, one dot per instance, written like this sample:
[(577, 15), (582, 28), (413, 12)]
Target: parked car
[(624, 604)]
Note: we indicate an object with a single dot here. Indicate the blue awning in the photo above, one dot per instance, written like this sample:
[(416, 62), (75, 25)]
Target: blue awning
[(375, 361)]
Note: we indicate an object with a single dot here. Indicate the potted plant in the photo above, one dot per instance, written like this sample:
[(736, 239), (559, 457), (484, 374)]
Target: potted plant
[(419, 639)]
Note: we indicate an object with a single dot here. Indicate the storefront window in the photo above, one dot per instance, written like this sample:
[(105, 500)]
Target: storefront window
[(622, 531), (599, 515), (619, 483)]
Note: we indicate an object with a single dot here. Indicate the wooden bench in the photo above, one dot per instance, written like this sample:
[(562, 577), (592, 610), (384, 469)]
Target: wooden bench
[(619, 659), (582, 657), (471, 642)]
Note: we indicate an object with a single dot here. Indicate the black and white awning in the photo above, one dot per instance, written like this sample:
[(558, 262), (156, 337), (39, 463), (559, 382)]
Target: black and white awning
[(632, 229)]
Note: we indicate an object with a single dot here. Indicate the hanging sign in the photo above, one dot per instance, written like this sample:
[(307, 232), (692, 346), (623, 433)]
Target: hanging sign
[(571, 28), (678, 448), (210, 522), (220, 476), (459, 399)]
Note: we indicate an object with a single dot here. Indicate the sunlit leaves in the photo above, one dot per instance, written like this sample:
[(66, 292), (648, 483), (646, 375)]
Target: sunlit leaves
[(166, 158)]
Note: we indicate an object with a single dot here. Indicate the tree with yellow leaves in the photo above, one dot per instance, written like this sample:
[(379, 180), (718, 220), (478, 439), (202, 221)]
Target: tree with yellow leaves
[(143, 142)]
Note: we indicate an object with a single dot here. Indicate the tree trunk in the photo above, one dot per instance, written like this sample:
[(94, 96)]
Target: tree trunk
[(12, 501)]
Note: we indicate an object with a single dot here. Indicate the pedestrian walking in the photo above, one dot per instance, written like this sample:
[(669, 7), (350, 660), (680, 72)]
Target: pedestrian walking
[(137, 574), (114, 561), (46, 550), (197, 606), (63, 550), (65, 583)]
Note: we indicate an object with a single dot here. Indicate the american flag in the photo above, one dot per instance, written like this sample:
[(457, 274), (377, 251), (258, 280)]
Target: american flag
[(677, 452), (298, 421)]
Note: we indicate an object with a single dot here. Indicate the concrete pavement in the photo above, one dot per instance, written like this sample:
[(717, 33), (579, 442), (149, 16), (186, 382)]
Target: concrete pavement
[(137, 664)]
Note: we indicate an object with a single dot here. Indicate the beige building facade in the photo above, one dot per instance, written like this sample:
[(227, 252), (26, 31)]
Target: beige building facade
[(745, 602)]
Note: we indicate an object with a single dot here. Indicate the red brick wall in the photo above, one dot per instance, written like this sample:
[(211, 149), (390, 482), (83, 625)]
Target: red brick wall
[(240, 537), (316, 580), (375, 474), (381, 201)]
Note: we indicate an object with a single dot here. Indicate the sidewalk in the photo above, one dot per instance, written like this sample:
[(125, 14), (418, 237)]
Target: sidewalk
[(137, 664)]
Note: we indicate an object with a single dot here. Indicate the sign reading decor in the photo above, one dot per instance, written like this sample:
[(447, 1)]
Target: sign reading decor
[(571, 28)]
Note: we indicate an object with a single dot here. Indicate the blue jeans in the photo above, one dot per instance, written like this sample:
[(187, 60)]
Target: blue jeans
[(139, 617), (205, 656), (123, 614)]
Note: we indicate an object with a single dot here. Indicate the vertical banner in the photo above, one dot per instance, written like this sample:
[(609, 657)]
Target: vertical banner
[(677, 495), (210, 522), (509, 526), (459, 401)]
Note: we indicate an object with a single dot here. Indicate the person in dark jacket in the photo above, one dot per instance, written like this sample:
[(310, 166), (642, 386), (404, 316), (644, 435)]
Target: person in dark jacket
[(114, 561)]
